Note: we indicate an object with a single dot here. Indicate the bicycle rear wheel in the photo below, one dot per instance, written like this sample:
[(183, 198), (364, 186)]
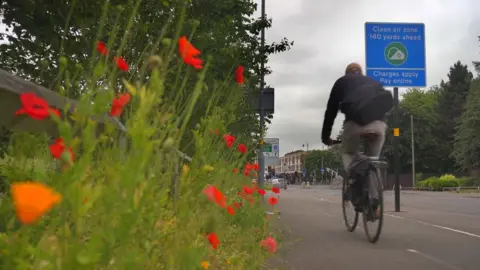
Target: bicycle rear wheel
[(371, 214), (350, 219)]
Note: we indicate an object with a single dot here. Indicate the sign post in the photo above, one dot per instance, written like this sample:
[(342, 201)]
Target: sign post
[(395, 56)]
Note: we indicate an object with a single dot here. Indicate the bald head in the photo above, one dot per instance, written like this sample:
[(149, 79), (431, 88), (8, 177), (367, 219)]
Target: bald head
[(353, 68)]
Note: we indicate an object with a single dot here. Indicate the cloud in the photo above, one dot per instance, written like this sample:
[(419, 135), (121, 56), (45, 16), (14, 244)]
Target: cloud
[(329, 34)]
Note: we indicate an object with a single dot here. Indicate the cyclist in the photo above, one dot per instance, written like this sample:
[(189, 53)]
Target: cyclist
[(364, 103)]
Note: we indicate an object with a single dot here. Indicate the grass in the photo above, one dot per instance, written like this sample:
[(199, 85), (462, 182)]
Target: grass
[(119, 207)]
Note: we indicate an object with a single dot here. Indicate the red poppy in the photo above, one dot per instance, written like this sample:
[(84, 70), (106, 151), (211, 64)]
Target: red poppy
[(255, 166), (237, 205), (235, 170), (275, 190), (242, 148), (248, 190), (215, 195), (196, 63), (269, 244), (239, 74), (119, 103), (272, 200), (58, 148), (261, 192), (186, 48), (188, 53), (213, 239), (102, 48), (35, 107), (229, 140), (121, 63), (230, 210)]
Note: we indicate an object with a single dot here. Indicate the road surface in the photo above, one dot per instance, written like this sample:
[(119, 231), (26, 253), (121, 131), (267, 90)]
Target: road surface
[(434, 231)]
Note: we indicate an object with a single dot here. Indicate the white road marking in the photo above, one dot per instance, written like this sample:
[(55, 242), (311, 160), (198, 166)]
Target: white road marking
[(321, 199), (328, 215), (437, 226), (431, 258)]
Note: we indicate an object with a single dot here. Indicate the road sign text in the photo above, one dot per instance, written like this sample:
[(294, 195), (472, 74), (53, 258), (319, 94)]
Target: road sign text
[(395, 53)]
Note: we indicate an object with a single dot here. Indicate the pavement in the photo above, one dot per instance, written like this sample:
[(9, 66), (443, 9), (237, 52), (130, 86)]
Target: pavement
[(433, 231)]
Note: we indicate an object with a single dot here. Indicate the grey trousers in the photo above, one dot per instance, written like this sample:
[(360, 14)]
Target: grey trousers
[(351, 142)]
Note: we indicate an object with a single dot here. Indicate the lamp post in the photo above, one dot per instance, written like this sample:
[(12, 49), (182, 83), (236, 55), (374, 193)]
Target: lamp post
[(303, 145)]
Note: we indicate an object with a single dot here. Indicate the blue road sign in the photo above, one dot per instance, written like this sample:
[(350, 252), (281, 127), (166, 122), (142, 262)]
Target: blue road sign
[(395, 53), (321, 170), (275, 147)]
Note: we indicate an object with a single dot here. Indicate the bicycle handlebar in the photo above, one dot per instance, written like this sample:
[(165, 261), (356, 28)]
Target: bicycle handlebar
[(335, 142)]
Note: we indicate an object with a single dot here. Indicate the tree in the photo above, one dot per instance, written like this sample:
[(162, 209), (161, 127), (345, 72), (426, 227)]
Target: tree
[(467, 145), (43, 31), (422, 106), (450, 107), (326, 158)]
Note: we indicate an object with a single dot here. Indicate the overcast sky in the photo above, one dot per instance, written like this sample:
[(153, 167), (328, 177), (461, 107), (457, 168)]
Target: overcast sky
[(329, 34)]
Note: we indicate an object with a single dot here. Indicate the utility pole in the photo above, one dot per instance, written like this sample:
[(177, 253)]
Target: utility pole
[(261, 158), (396, 154), (414, 180)]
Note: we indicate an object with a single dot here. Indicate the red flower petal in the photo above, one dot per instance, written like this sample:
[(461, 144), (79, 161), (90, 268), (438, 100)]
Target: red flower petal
[(272, 200), (215, 195), (119, 103), (261, 192), (242, 148), (231, 211), (196, 63), (248, 190), (229, 140), (213, 239), (121, 63), (35, 107), (239, 74), (102, 48), (186, 49), (275, 190)]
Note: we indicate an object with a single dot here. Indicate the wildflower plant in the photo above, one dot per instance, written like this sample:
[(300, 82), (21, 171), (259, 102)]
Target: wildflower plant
[(104, 195)]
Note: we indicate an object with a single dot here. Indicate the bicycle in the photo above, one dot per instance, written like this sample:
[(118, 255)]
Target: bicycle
[(365, 206)]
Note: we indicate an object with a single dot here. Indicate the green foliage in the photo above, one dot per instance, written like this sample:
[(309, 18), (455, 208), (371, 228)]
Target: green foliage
[(120, 209), (466, 145), (435, 114), (43, 31), (329, 159)]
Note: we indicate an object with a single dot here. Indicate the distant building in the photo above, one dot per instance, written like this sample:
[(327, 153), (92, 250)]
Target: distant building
[(292, 162)]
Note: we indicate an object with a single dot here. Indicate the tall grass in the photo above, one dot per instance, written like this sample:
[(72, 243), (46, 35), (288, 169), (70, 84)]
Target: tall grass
[(129, 201)]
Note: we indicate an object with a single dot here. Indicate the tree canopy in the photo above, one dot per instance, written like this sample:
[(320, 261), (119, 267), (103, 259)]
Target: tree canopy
[(41, 32)]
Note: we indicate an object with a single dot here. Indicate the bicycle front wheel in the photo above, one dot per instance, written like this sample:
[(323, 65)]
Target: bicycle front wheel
[(373, 214), (350, 215)]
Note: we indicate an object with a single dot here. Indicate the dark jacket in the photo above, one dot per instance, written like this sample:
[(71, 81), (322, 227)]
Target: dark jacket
[(342, 89)]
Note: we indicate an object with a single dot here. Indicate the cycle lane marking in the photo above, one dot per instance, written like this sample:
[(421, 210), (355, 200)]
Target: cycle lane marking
[(433, 259), (436, 226)]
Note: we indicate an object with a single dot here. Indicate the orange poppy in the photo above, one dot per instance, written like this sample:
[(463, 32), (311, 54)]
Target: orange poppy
[(32, 200)]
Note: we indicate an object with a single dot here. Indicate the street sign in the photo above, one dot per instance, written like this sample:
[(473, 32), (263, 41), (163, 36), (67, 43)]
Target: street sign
[(322, 170), (271, 147), (304, 172), (395, 53)]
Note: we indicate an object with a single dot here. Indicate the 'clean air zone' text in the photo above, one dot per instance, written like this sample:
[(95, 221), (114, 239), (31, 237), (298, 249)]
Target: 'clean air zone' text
[(395, 33)]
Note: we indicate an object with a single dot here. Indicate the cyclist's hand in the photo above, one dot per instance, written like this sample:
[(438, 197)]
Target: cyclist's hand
[(328, 142)]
